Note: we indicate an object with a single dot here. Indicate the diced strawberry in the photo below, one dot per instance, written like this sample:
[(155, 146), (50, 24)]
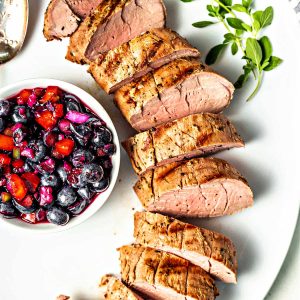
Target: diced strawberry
[(5, 197), (8, 132), (30, 218), (59, 110), (46, 119), (6, 169), (38, 92), (16, 186), (6, 143), (4, 159), (18, 163), (23, 96), (64, 147), (32, 181), (52, 94)]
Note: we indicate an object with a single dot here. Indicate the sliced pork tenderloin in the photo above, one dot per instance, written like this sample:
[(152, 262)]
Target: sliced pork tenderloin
[(113, 23), (82, 8), (139, 56), (59, 20), (191, 136), (116, 290), (160, 275), (200, 187), (210, 250), (178, 89)]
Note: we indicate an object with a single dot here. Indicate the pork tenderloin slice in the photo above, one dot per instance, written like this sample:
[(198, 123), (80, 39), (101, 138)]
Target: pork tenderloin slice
[(200, 187), (178, 89), (210, 250), (149, 51), (160, 275), (116, 290), (82, 8), (82, 37), (59, 20), (194, 135), (135, 18)]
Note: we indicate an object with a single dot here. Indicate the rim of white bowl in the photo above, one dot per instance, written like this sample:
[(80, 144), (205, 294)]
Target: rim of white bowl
[(98, 109)]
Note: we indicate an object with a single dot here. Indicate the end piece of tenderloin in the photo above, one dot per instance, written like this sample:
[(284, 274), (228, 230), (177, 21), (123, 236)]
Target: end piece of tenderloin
[(194, 135), (200, 187), (59, 20), (117, 290), (180, 88), (160, 275), (212, 251), (111, 24), (138, 57)]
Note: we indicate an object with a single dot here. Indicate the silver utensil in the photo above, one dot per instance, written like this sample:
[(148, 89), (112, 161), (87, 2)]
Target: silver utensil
[(13, 27)]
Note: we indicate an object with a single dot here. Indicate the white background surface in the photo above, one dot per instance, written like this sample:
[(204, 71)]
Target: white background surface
[(41, 266)]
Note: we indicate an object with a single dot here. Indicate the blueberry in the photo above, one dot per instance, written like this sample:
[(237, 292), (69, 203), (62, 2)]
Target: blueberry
[(19, 135), (78, 207), (27, 167), (21, 114), (109, 149), (85, 193), (57, 216), (2, 124), (81, 157), (66, 196), (50, 180), (62, 173), (101, 186), (102, 136), (27, 206), (39, 150), (4, 108), (82, 133), (92, 173), (72, 103), (8, 210)]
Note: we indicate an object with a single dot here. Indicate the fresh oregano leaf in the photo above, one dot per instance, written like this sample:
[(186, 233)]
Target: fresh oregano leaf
[(257, 16), (186, 0), (274, 63), (266, 47), (239, 8), (253, 51), (234, 48), (242, 79), (267, 17), (256, 25), (247, 27), (203, 24), (247, 3), (226, 2), (235, 23), (214, 53)]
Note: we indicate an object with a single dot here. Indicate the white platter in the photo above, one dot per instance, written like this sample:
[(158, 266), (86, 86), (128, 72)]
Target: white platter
[(40, 267)]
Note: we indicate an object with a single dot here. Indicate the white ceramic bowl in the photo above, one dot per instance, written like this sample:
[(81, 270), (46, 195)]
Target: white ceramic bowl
[(97, 109)]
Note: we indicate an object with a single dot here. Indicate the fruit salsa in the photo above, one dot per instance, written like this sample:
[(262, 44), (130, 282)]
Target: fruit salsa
[(55, 156)]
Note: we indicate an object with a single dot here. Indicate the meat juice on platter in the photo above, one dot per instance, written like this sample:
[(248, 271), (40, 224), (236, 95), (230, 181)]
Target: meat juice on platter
[(55, 156)]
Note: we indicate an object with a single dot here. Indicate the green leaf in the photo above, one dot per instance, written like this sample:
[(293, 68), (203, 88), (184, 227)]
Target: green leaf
[(203, 24), (247, 3), (214, 53), (256, 25), (267, 17), (226, 2), (235, 23), (210, 8), (253, 51), (186, 0), (234, 48), (257, 15), (229, 37), (239, 7), (266, 47), (247, 27), (274, 63), (242, 80), (239, 32)]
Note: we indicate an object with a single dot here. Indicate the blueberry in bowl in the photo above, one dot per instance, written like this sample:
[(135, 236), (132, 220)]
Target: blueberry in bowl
[(59, 155)]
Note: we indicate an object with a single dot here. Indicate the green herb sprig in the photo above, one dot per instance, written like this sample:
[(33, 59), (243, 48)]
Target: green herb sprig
[(244, 35)]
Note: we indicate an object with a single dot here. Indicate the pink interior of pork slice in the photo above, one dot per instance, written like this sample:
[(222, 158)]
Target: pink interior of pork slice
[(212, 199)]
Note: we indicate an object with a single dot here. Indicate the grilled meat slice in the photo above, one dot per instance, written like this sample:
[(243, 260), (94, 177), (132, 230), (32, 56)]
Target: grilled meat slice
[(139, 56), (82, 8), (210, 250), (160, 275), (200, 187), (178, 89), (113, 23), (59, 20), (116, 290), (191, 136)]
